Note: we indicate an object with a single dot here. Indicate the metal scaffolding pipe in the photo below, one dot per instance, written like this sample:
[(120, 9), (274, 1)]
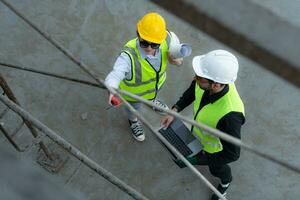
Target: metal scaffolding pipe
[(171, 147), (85, 68), (51, 74), (34, 133), (73, 150), (59, 46), (212, 131), (101, 82), (237, 142), (216, 133)]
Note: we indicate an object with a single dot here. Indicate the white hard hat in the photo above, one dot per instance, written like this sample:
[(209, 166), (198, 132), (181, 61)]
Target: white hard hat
[(219, 66)]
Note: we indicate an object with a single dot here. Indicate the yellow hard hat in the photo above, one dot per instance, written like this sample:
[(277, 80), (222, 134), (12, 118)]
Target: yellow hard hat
[(152, 28)]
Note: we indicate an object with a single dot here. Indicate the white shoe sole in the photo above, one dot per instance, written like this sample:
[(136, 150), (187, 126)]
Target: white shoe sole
[(140, 138)]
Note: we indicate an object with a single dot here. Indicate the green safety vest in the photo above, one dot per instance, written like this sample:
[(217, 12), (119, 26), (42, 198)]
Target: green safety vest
[(145, 81), (211, 113)]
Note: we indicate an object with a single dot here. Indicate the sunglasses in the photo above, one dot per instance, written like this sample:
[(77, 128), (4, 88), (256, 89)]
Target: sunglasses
[(145, 44)]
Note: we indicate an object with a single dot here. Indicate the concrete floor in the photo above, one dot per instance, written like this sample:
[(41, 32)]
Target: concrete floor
[(95, 31)]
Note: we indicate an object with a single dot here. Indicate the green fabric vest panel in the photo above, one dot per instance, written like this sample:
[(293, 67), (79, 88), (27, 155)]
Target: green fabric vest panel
[(145, 81), (211, 113)]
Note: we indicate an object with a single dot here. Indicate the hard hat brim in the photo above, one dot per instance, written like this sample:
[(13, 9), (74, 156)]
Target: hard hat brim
[(219, 66), (151, 39), (197, 62)]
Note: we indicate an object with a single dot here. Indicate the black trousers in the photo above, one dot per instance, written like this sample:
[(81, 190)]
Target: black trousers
[(219, 169)]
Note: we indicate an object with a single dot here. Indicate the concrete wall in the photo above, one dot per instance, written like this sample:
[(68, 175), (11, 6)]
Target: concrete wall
[(95, 31)]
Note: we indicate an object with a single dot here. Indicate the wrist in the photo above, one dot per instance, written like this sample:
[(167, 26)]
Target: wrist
[(174, 109)]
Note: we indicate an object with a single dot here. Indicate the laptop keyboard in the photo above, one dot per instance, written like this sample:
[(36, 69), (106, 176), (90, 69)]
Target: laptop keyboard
[(176, 141)]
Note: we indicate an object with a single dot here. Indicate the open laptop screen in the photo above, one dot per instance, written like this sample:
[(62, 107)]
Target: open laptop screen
[(181, 138)]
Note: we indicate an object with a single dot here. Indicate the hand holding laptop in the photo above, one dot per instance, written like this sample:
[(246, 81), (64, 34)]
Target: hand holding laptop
[(178, 135), (167, 120)]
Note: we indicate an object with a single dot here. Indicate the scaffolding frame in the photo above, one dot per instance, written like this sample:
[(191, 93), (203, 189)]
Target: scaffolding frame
[(118, 93)]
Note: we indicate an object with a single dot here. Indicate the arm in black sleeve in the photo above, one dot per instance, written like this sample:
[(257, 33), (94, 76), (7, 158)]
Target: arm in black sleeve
[(230, 124), (187, 98)]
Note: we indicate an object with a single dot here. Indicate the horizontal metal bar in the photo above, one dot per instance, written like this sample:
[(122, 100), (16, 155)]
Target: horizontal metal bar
[(170, 146), (85, 68), (8, 92), (51, 74), (101, 82), (48, 37), (215, 132)]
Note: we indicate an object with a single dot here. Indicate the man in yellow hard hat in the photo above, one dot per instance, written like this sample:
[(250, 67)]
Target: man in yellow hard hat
[(217, 104), (141, 66)]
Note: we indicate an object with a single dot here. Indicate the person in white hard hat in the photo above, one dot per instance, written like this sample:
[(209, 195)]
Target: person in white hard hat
[(218, 105)]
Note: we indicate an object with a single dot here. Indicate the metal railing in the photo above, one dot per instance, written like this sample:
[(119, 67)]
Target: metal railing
[(118, 93)]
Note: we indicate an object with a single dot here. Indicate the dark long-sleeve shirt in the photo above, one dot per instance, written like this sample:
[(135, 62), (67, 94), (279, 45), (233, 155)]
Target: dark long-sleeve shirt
[(231, 123)]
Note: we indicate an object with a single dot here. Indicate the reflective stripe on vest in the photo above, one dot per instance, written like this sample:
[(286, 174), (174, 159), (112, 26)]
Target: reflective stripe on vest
[(211, 114), (145, 81)]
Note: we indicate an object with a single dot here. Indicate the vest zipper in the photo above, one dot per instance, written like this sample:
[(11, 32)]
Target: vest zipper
[(196, 115), (156, 85), (157, 77)]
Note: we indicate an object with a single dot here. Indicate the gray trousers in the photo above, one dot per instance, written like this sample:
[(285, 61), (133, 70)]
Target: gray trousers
[(130, 115)]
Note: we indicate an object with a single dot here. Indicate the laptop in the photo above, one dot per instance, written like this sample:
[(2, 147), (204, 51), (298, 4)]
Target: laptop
[(181, 138)]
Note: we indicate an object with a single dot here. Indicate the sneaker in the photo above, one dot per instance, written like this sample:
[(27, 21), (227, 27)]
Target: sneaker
[(137, 130), (160, 104), (222, 189)]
